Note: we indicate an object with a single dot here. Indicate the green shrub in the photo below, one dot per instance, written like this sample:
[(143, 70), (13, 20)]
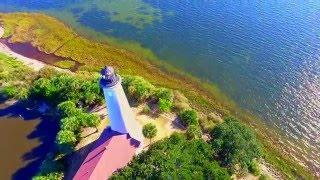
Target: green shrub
[(235, 144), (49, 176), (66, 137), (149, 131), (146, 109), (164, 93), (68, 109), (137, 88), (189, 117), (20, 92), (264, 177), (47, 72), (254, 168), (71, 123), (89, 120), (81, 90), (193, 132), (164, 105)]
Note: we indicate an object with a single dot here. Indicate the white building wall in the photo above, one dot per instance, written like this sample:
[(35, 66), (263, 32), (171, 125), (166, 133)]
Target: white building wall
[(122, 119)]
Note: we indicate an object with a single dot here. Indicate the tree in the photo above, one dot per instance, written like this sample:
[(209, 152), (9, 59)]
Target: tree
[(189, 117), (137, 88), (174, 158), (193, 132), (90, 120), (71, 123), (149, 131), (164, 93), (66, 140), (67, 109), (235, 144)]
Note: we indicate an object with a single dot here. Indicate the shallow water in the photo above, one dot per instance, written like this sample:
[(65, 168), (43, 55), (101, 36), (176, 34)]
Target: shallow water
[(27, 50), (13, 135), (264, 55), (26, 137)]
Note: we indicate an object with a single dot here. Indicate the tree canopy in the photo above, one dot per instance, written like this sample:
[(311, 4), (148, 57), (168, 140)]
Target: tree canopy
[(235, 144), (189, 117), (82, 90), (149, 131), (193, 132), (175, 158)]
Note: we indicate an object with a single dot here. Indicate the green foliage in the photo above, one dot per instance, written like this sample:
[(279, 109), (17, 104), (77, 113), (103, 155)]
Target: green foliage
[(16, 91), (164, 93), (146, 109), (66, 140), (235, 143), (47, 72), (149, 131), (254, 167), (66, 137), (189, 117), (193, 132), (174, 158), (68, 109), (71, 124), (50, 169), (137, 88), (264, 177), (15, 77), (165, 105), (49, 176), (89, 120), (66, 87)]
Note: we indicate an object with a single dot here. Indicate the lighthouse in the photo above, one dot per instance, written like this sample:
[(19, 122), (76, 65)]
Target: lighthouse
[(118, 144), (122, 119)]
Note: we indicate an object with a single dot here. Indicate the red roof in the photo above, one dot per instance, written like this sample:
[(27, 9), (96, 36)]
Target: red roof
[(111, 152)]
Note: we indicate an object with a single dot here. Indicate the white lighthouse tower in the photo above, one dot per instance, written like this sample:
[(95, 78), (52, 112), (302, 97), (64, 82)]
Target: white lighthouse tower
[(122, 119)]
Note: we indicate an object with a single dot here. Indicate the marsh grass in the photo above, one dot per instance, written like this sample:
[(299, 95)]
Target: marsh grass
[(65, 64)]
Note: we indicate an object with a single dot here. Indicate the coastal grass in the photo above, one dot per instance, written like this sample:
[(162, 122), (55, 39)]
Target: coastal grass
[(51, 36), (65, 64)]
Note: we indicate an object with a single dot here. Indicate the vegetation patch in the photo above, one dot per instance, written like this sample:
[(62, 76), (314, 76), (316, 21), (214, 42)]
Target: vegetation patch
[(65, 64), (175, 158)]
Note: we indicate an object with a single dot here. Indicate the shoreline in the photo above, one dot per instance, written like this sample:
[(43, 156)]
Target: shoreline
[(33, 63), (30, 62), (245, 118)]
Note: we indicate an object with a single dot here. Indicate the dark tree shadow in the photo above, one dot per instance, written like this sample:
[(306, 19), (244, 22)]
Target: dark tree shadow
[(44, 132)]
